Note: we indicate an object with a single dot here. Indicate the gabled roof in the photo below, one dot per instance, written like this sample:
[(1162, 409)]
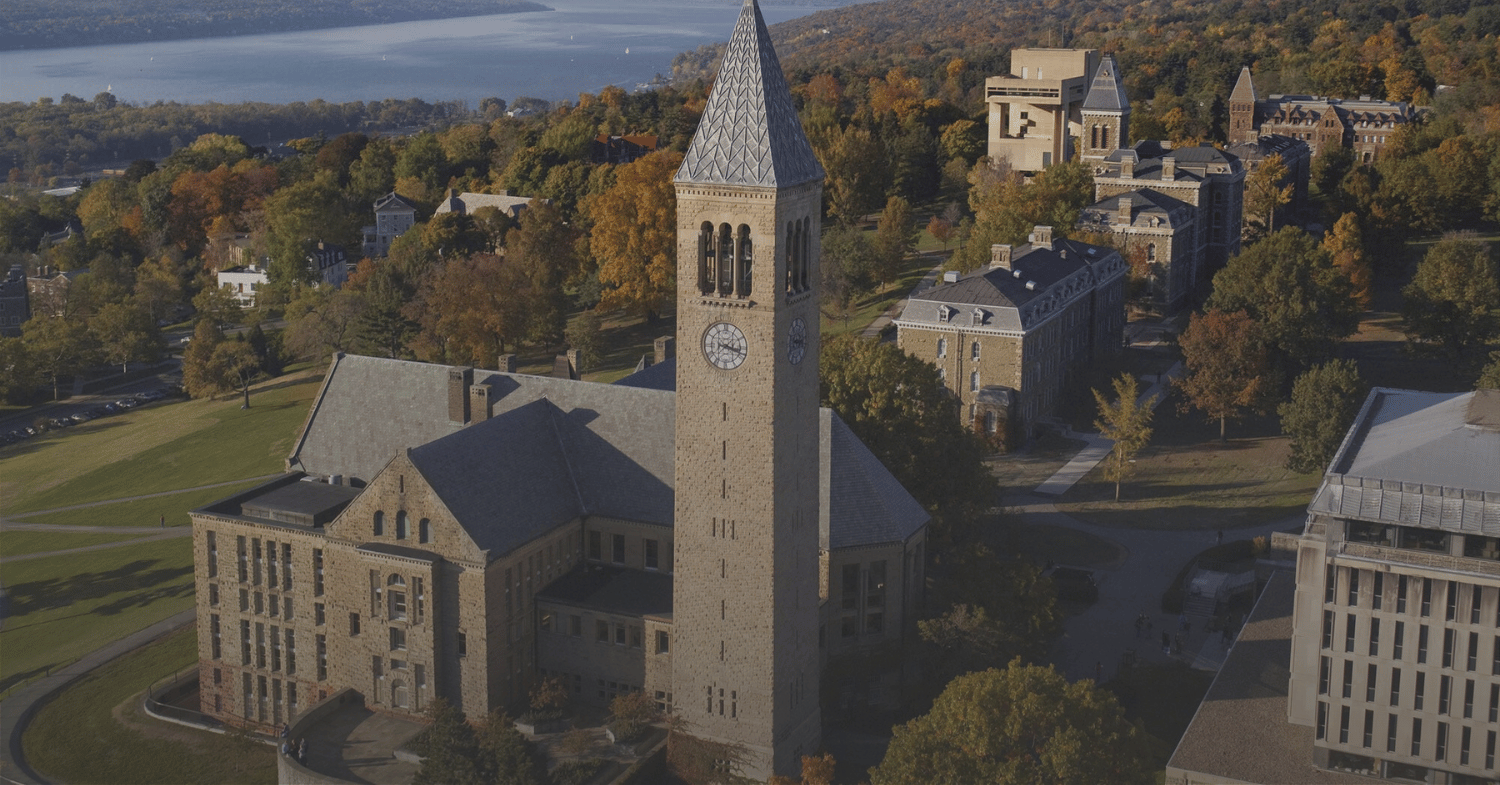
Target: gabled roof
[(555, 449), (750, 133), (394, 202), (1106, 94), (1244, 88), (467, 203)]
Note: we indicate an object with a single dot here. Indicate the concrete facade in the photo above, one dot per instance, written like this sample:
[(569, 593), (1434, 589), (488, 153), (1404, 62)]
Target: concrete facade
[(1036, 109)]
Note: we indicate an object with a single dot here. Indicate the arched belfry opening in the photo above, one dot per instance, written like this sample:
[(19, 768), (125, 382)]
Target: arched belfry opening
[(725, 260)]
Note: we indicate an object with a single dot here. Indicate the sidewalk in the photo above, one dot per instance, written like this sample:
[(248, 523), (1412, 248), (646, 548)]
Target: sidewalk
[(1096, 448), (876, 327), (17, 710)]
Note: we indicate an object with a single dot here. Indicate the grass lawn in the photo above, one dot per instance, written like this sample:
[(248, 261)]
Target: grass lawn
[(864, 309), (141, 512), (18, 543), (158, 448), (62, 607), (1022, 472), (1185, 479), (139, 749), (1162, 700)]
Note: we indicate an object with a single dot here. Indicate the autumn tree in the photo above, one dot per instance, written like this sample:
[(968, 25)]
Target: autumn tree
[(895, 237), (1345, 245), (320, 321), (1287, 283), (855, 178), (816, 770), (198, 375), (1007, 206), (1227, 368), (1323, 405), (1127, 423), (235, 366), (1022, 724), (635, 235), (1489, 375), (58, 347), (897, 406), (1451, 300), (470, 310), (941, 230), (125, 333), (1267, 189)]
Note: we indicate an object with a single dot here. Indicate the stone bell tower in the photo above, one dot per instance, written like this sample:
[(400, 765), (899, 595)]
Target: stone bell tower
[(1106, 113), (745, 594)]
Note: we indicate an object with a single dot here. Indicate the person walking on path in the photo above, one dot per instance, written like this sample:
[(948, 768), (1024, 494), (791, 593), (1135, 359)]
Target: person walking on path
[(164, 521)]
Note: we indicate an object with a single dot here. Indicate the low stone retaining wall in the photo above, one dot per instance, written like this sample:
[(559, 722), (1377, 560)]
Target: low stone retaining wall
[(291, 772)]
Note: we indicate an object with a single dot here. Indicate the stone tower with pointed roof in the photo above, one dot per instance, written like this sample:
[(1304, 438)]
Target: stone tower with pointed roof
[(1242, 127), (745, 598), (1106, 113)]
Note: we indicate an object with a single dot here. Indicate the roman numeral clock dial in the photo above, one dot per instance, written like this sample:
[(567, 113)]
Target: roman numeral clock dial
[(724, 345)]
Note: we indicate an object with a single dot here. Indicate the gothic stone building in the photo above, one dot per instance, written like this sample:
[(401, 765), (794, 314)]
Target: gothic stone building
[(1363, 125), (702, 531), (1007, 338)]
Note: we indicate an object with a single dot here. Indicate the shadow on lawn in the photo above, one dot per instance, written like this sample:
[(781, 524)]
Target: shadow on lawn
[(19, 678), (138, 577)]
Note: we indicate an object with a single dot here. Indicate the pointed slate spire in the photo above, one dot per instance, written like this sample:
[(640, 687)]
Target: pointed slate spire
[(1244, 88), (1106, 94), (750, 133)]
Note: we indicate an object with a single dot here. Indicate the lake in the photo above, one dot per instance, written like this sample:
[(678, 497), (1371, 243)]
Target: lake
[(582, 46)]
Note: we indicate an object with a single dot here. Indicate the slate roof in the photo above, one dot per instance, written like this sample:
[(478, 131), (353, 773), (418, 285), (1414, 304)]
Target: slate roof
[(1144, 202), (1419, 459), (554, 449), (394, 202), (1244, 88), (750, 133), (613, 590), (1002, 293), (1106, 94), (466, 203)]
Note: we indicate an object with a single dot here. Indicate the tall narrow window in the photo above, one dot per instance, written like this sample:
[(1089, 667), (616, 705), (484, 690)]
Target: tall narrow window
[(424, 531), (1398, 641), (401, 525), (379, 523), (1421, 644), (1377, 593), (1353, 588), (705, 258), (1374, 637), (725, 258), (1395, 686), (744, 261), (1348, 678), (213, 558)]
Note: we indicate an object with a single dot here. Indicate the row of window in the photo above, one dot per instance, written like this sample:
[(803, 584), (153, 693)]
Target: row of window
[(1440, 738), (1457, 645), (651, 550), (403, 525), (268, 639), (256, 558), (392, 597), (1414, 538), (260, 704), (862, 592), (1469, 691), (942, 349), (616, 633), (1462, 603)]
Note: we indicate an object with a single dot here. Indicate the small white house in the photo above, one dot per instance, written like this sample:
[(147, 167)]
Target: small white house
[(244, 282)]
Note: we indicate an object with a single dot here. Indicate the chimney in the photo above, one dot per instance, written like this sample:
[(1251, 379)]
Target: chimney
[(573, 363), (665, 347), (459, 381), (1000, 256), (1125, 210), (507, 363), (1041, 237), (479, 402), (562, 367), (1127, 164), (1168, 167)]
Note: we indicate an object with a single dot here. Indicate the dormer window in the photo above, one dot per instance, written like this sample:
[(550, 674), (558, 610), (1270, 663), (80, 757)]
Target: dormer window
[(977, 317), (946, 313)]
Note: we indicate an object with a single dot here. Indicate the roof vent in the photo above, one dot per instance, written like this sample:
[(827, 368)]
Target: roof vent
[(950, 276), (1016, 273), (1030, 286)]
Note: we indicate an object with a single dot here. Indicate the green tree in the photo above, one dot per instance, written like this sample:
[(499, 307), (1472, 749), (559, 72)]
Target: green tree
[(631, 712), (452, 748), (1007, 206), (635, 235), (897, 406), (320, 321), (126, 332), (847, 267), (198, 376), (1127, 423), (18, 373), (217, 303), (998, 608), (1024, 724), (1324, 402), (505, 757), (234, 366), (1451, 300), (1227, 368), (852, 158), (584, 334), (1287, 283), (1489, 375), (1267, 189), (895, 237), (545, 250), (58, 347)]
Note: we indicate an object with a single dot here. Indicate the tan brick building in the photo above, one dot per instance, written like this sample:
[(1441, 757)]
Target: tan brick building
[(1364, 125), (456, 532), (1016, 331)]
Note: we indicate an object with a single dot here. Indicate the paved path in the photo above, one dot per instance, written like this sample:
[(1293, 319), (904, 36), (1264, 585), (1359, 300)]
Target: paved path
[(1096, 448), (1098, 636), (176, 532), (874, 329), (17, 709), (226, 483)]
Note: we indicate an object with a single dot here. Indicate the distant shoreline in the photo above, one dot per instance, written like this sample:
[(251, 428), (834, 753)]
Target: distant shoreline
[(62, 33)]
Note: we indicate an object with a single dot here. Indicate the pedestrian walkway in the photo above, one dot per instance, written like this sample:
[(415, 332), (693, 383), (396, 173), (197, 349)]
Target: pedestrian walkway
[(17, 709), (876, 327), (1096, 448)]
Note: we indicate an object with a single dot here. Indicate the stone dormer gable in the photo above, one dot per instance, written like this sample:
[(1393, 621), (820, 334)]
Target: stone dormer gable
[(1106, 93), (750, 133), (400, 510)]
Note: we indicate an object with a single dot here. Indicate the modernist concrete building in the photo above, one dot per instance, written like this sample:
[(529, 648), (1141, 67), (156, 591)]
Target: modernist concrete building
[(1363, 125), (702, 530), (1036, 109), (1390, 642), (1007, 338)]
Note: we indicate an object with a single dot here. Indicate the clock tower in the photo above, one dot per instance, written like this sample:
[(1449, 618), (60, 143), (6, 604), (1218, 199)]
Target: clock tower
[(745, 594)]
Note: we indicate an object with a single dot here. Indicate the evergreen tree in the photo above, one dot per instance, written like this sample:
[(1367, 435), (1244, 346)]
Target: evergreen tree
[(1323, 405)]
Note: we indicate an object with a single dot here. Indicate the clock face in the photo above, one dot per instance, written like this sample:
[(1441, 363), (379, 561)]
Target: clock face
[(796, 341), (724, 345)]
